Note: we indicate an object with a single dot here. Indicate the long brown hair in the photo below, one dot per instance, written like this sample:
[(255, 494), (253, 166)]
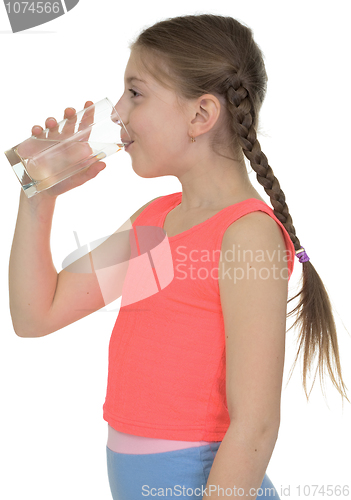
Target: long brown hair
[(208, 54)]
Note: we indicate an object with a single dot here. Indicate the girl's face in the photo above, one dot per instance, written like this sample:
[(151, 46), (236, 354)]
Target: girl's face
[(157, 124)]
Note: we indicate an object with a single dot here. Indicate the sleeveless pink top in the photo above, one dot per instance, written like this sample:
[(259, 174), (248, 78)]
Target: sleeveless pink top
[(166, 377)]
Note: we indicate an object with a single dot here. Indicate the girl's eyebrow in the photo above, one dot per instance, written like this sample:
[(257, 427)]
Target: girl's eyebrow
[(131, 78)]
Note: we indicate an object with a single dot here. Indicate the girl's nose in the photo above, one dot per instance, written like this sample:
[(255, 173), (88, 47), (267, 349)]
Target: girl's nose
[(119, 107), (121, 114), (124, 131), (122, 117)]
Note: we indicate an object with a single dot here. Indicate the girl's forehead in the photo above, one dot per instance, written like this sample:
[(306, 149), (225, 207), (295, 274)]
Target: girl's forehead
[(135, 69), (137, 72)]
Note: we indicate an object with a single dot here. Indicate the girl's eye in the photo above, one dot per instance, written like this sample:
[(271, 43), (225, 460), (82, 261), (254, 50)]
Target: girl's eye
[(135, 94)]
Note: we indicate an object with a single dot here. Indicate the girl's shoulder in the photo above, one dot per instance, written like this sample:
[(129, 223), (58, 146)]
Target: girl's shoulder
[(138, 212)]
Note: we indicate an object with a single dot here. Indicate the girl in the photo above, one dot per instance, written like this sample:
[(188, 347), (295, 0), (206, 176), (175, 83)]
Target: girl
[(195, 361)]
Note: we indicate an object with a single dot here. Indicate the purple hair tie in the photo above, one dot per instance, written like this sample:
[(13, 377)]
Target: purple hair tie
[(303, 257)]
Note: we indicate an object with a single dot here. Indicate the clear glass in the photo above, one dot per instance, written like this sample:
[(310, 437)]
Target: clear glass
[(73, 145)]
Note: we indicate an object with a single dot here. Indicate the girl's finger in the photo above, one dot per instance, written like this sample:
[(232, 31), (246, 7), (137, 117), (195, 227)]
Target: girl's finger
[(87, 119), (71, 120), (37, 130), (52, 125)]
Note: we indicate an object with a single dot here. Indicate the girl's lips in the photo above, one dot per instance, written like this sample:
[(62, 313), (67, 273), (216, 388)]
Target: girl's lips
[(126, 147)]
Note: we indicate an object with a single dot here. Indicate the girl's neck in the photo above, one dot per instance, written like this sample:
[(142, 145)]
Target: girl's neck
[(213, 185)]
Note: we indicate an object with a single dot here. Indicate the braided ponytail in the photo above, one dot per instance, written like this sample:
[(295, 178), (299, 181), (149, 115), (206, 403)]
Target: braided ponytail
[(314, 313), (229, 63)]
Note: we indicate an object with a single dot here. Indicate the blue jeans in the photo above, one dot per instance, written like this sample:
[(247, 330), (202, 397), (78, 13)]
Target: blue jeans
[(171, 474)]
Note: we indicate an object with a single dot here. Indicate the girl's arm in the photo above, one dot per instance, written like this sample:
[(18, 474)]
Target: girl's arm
[(43, 301), (32, 275), (253, 291)]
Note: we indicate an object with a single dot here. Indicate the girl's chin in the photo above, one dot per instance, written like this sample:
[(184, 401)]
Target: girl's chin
[(144, 172), (149, 168)]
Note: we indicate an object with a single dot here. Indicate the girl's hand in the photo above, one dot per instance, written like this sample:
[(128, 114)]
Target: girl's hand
[(69, 155)]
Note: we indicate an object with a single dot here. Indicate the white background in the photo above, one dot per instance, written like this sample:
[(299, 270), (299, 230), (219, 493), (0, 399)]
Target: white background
[(53, 435)]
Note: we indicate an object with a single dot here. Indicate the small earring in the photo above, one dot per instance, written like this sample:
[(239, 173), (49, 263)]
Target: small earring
[(192, 139)]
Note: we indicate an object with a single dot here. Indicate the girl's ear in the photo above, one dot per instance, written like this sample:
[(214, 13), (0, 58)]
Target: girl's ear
[(206, 111)]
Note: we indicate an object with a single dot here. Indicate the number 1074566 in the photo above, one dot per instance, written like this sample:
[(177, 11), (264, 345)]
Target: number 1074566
[(323, 490), (33, 7)]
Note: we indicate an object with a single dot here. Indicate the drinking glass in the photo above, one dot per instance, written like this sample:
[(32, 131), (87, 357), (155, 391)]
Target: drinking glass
[(74, 144)]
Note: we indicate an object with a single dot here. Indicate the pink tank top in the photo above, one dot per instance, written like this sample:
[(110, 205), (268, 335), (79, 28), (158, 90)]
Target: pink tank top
[(170, 342)]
